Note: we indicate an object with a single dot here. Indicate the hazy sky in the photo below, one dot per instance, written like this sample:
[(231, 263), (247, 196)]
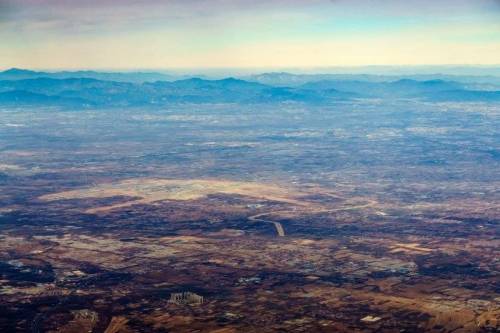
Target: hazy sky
[(53, 34)]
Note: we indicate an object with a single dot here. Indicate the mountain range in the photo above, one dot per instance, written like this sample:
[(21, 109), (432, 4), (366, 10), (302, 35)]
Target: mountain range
[(137, 77), (95, 89)]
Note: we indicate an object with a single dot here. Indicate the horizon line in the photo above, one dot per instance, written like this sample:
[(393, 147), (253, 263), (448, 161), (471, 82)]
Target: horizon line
[(4, 68)]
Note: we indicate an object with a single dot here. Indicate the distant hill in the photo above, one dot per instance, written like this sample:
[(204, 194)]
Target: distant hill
[(91, 92), (136, 77), (85, 91), (403, 88), (284, 79)]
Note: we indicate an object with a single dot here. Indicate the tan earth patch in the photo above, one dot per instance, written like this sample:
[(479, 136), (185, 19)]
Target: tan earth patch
[(412, 248), (151, 190)]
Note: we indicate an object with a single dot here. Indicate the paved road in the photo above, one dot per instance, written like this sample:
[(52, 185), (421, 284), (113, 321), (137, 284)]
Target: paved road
[(279, 227)]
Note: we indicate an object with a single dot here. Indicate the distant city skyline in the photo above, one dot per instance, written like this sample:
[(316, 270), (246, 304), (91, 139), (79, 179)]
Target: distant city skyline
[(175, 34)]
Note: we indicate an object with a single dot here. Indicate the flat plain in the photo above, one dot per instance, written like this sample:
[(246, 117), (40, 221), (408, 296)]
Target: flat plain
[(353, 216)]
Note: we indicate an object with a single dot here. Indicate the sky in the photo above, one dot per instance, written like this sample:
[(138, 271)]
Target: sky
[(156, 34)]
